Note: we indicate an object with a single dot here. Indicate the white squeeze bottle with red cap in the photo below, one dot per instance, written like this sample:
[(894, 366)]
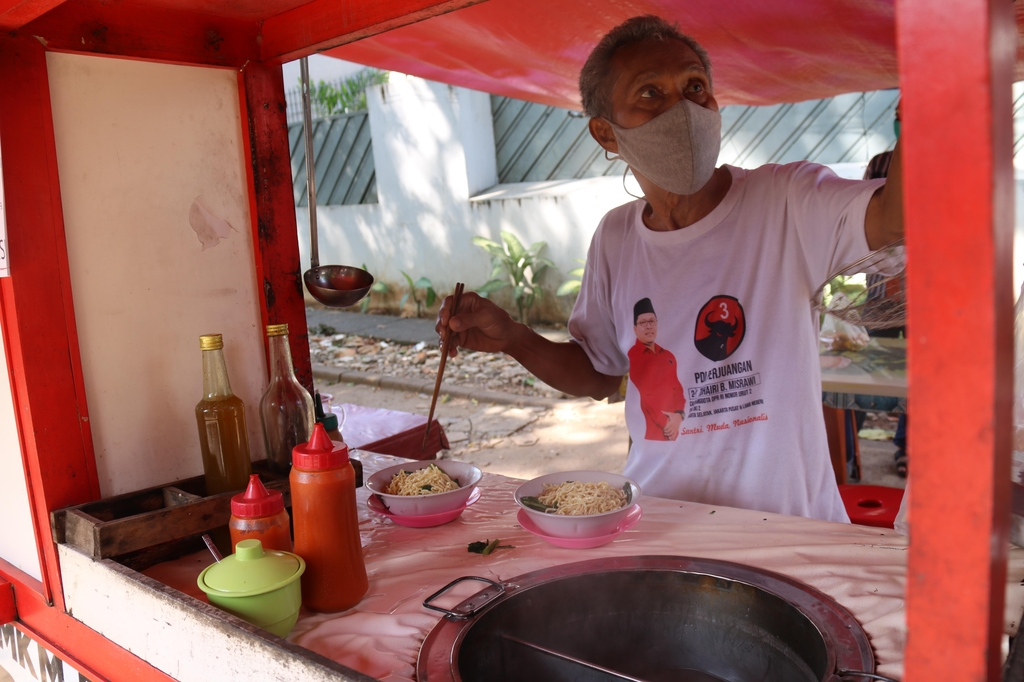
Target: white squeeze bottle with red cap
[(323, 486)]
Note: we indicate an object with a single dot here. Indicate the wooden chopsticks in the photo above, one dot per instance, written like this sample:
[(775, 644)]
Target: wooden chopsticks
[(445, 335)]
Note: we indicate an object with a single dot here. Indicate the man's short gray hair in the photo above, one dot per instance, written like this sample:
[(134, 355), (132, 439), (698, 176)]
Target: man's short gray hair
[(594, 88)]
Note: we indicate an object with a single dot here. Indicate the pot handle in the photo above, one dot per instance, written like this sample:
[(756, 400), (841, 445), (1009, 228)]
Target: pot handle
[(844, 674), (471, 606)]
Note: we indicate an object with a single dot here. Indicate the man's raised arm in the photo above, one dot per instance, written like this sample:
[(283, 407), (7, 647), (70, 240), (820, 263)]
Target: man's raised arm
[(883, 223), (482, 326)]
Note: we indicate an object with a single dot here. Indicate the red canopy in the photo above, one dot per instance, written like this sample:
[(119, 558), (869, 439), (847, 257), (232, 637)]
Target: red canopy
[(762, 52)]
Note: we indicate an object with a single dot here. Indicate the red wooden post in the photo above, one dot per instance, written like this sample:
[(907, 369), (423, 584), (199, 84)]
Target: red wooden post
[(39, 329), (8, 611), (272, 206), (17, 13), (146, 31), (956, 66)]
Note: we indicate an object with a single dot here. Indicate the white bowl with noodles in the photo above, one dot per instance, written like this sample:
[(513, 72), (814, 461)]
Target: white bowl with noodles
[(584, 526), (466, 475)]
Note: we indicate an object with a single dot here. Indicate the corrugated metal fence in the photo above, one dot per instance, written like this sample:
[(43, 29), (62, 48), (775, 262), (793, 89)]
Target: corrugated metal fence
[(343, 153), (844, 129), (534, 142)]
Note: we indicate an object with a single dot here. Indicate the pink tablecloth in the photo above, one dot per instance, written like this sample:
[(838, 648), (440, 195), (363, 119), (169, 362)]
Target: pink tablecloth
[(860, 567)]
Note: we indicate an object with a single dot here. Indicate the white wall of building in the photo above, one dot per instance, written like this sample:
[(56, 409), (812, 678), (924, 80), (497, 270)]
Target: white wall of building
[(436, 173), (433, 147), (137, 143), (17, 538)]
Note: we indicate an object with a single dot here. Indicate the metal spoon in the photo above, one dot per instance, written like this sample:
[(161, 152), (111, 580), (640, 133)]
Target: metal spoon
[(212, 547), (336, 286)]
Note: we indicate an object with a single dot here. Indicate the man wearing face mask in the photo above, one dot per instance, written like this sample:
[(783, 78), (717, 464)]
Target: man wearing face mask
[(729, 258)]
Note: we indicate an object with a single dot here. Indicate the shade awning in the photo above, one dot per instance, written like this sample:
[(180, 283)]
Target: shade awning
[(762, 53)]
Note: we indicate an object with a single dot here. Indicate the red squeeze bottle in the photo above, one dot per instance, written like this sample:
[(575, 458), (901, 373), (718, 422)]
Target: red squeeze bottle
[(259, 514), (323, 487)]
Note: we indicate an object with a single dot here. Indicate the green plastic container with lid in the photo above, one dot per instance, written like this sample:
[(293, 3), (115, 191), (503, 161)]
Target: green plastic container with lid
[(260, 587)]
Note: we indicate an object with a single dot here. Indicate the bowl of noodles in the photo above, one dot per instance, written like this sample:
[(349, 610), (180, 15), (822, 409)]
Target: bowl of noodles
[(578, 504), (419, 488)]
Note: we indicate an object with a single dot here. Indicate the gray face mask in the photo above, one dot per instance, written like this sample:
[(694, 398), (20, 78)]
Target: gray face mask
[(677, 149)]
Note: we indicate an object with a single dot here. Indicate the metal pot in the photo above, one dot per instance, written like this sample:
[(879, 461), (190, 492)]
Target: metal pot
[(646, 619)]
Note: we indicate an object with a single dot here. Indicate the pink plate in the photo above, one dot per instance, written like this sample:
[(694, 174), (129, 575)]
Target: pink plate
[(631, 519), (424, 521)]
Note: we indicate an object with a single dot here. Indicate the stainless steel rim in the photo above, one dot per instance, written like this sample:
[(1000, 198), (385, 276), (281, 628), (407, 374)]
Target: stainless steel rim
[(846, 644)]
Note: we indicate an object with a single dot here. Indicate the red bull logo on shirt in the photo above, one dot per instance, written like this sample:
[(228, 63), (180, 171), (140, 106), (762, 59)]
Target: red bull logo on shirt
[(721, 326)]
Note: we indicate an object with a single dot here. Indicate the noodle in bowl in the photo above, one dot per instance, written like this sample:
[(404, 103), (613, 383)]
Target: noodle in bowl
[(581, 506), (466, 476)]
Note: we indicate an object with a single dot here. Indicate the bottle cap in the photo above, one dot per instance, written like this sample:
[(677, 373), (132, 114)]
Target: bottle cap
[(256, 501), (251, 570), (320, 453), (211, 342), (277, 329), (330, 421)]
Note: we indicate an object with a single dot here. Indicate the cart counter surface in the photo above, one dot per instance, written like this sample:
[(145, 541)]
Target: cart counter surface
[(862, 568)]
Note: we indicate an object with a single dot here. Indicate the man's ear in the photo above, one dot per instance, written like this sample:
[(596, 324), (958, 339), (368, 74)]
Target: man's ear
[(601, 130)]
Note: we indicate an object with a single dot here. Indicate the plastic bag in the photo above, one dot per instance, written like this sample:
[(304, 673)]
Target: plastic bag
[(902, 523), (838, 335)]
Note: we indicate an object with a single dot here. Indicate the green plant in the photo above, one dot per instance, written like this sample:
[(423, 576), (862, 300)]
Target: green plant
[(421, 283), (513, 265), (853, 287), (572, 286), (378, 287), (348, 95)]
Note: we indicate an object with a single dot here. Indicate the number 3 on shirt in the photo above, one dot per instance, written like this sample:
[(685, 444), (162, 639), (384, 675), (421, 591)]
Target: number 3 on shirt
[(721, 326)]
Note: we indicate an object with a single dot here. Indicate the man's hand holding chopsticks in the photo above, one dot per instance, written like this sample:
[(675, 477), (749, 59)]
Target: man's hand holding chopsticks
[(482, 326), (478, 325)]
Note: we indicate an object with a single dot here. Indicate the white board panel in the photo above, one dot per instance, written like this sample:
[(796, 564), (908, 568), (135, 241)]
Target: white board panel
[(17, 537), (137, 143)]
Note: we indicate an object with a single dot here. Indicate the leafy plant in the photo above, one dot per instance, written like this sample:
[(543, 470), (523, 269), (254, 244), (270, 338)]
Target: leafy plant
[(377, 287), (572, 286), (853, 287), (422, 283), (515, 266), (347, 96)]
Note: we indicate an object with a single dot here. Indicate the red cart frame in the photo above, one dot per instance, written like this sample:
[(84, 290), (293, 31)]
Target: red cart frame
[(957, 61)]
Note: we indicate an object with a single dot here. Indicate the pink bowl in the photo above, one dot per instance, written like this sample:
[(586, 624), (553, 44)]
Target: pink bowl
[(576, 527), (630, 520), (423, 520), (426, 505)]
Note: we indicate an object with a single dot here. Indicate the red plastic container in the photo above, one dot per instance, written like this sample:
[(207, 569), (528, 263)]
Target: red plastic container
[(323, 486), (871, 505), (259, 514)]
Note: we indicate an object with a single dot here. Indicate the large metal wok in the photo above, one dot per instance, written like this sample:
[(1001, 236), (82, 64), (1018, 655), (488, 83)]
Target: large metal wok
[(646, 619)]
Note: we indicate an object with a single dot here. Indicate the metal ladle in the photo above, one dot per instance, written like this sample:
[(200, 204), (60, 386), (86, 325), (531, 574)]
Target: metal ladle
[(336, 286)]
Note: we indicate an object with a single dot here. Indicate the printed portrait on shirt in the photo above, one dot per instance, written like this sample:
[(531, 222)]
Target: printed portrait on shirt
[(721, 326), (654, 372)]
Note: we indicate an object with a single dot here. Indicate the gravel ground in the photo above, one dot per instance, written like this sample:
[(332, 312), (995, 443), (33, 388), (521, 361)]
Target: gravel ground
[(494, 371)]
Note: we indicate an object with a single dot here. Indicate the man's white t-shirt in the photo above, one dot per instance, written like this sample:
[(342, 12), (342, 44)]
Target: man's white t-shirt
[(732, 298)]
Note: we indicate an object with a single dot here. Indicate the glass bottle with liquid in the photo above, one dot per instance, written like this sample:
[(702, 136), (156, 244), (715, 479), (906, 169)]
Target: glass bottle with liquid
[(286, 409), (221, 418)]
